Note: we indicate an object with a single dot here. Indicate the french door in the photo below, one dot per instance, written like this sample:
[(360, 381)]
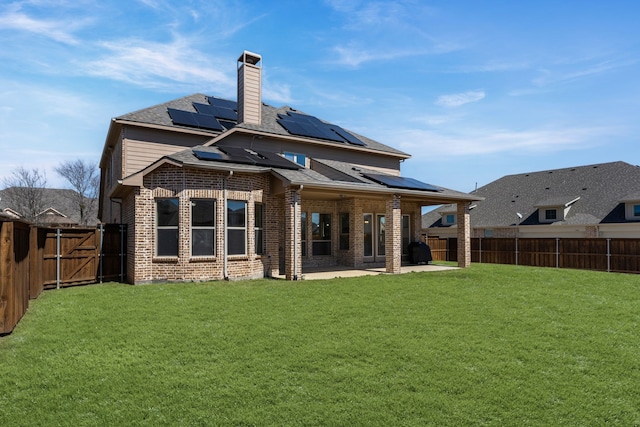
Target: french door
[(374, 237)]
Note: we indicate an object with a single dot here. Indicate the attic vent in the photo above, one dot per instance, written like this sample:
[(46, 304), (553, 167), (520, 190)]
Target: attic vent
[(584, 189), (546, 188), (573, 169)]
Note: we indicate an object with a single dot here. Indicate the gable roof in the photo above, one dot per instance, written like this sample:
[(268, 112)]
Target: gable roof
[(158, 115), (593, 193)]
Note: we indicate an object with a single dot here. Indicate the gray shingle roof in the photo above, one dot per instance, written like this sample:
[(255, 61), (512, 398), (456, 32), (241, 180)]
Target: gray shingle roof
[(304, 176), (157, 115), (601, 188)]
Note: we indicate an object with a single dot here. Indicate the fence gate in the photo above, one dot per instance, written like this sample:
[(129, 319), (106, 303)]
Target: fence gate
[(70, 256)]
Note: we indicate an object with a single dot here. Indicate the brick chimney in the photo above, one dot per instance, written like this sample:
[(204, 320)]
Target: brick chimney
[(250, 88)]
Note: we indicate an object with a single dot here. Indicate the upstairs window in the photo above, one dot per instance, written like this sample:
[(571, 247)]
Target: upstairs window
[(636, 210), (550, 214), (298, 158)]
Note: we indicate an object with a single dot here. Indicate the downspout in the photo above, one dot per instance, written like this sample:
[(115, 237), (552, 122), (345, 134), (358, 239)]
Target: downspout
[(296, 202), (225, 268)]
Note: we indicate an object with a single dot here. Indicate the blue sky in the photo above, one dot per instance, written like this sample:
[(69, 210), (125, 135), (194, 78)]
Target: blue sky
[(472, 90)]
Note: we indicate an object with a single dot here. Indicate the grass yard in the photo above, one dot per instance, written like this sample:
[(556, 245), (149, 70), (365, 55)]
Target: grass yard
[(488, 345)]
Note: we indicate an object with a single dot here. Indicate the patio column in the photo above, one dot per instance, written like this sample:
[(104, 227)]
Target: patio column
[(464, 235), (292, 235), (393, 236)]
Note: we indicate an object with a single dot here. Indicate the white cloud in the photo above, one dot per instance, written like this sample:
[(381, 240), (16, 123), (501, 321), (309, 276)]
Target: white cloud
[(160, 65), (458, 99), (60, 31), (425, 143)]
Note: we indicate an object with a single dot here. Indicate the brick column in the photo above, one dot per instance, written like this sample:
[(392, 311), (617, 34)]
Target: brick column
[(393, 236), (464, 235), (292, 235)]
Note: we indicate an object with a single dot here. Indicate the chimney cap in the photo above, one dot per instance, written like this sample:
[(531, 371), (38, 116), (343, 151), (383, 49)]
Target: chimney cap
[(249, 58)]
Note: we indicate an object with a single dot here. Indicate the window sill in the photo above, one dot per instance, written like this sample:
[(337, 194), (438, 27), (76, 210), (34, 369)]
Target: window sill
[(166, 259), (203, 259)]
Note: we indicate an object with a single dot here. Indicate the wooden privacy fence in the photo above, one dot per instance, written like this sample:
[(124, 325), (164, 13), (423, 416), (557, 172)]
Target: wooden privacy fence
[(602, 254), (34, 258)]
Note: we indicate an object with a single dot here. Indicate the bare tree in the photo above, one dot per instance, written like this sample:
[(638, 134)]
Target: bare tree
[(25, 192), (85, 180)]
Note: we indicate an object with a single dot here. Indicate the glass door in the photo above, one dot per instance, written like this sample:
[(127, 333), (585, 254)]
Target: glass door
[(368, 237)]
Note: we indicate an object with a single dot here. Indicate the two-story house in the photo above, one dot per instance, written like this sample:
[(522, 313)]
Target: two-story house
[(217, 189)]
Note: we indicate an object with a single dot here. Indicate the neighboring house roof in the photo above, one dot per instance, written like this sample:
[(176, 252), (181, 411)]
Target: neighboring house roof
[(158, 115), (592, 194), (60, 207)]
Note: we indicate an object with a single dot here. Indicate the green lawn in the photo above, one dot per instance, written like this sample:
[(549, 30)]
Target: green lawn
[(488, 345)]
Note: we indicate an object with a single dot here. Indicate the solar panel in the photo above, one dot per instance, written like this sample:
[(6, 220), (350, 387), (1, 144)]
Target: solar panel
[(227, 124), (185, 118), (206, 121), (401, 182), (276, 161), (218, 112), (247, 157), (305, 125), (224, 103), (225, 113), (347, 136), (238, 155), (208, 155), (188, 118), (204, 108)]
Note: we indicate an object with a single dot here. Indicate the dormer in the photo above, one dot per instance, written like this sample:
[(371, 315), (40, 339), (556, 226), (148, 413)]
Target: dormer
[(449, 214), (632, 207), (554, 209)]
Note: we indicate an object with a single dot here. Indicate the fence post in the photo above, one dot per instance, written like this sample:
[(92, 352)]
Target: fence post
[(608, 255), (557, 252), (480, 250), (58, 258), (516, 251)]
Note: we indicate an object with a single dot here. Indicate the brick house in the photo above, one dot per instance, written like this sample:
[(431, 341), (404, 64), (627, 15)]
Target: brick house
[(599, 200), (218, 189)]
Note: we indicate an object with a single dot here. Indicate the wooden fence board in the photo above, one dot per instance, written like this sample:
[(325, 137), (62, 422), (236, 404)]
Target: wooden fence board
[(14, 273)]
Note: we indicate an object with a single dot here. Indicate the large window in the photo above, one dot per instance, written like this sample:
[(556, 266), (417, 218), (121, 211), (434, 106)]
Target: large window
[(344, 231), (321, 233), (203, 227), (368, 235), (236, 227), (382, 239), (258, 226), (167, 227), (406, 234)]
